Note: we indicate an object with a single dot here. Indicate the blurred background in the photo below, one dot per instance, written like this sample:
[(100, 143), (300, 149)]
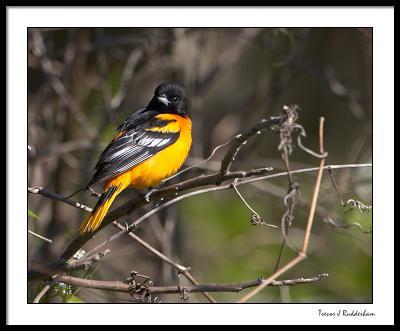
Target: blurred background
[(82, 83)]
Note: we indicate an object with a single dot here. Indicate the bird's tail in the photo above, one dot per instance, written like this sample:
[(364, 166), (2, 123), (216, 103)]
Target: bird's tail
[(93, 220)]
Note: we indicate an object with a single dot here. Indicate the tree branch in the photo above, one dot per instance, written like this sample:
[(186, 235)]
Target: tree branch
[(122, 286), (86, 263), (55, 196)]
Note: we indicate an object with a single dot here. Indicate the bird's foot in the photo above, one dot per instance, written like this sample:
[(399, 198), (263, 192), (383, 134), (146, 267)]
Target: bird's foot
[(94, 193)]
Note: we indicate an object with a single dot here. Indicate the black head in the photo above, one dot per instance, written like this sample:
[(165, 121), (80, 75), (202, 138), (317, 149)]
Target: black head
[(169, 98)]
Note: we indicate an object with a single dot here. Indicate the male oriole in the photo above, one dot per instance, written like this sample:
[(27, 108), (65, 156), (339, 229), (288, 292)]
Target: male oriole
[(151, 145)]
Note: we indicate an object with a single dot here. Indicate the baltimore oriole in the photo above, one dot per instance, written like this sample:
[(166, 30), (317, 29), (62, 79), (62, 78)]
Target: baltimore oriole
[(151, 145)]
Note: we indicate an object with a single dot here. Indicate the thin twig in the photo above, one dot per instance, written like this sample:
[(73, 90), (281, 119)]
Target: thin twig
[(40, 295), (255, 217), (152, 249), (47, 287), (316, 189), (241, 139), (330, 221), (303, 253), (353, 203), (39, 236), (289, 202), (55, 196)]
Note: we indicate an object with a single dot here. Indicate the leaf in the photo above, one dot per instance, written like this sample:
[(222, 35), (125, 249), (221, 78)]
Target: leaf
[(74, 299), (33, 215)]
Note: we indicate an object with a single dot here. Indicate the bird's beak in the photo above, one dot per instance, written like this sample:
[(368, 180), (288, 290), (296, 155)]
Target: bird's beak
[(164, 100)]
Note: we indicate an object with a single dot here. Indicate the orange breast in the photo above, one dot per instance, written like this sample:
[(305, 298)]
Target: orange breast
[(166, 162)]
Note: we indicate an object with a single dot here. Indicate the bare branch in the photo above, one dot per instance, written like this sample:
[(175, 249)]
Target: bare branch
[(123, 286), (39, 236), (236, 287), (46, 288), (152, 249), (316, 189), (241, 139), (55, 196), (87, 263)]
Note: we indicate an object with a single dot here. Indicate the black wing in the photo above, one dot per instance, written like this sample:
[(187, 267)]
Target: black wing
[(133, 146)]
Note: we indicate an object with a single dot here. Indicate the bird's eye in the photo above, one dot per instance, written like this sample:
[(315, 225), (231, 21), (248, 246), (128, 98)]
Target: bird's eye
[(175, 99)]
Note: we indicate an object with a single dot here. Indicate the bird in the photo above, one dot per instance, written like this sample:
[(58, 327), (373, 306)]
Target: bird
[(149, 146)]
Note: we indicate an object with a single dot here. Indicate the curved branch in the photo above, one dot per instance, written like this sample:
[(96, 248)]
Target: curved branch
[(241, 139)]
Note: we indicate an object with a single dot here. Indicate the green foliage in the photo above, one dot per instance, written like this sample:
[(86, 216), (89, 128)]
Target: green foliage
[(32, 215), (73, 299), (67, 293)]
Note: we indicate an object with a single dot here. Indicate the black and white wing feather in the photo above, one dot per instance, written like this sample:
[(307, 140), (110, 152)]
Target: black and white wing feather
[(133, 146)]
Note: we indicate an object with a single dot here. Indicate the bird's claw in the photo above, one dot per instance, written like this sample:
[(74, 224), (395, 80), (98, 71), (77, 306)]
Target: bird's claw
[(94, 193)]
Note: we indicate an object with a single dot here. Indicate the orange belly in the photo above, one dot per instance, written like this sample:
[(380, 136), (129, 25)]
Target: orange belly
[(164, 164)]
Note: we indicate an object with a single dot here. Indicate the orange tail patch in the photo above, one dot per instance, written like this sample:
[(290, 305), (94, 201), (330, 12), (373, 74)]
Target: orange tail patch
[(93, 221)]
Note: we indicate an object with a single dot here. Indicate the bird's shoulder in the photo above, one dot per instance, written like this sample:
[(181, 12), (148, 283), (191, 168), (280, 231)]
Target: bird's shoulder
[(144, 119), (140, 118)]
